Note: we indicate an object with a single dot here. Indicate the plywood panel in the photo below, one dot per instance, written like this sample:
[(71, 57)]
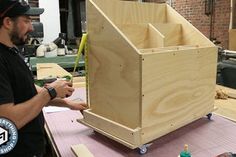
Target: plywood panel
[(142, 35), (50, 70), (232, 39), (125, 135), (233, 12), (168, 49), (81, 150), (124, 12), (114, 71), (156, 38), (172, 33), (178, 87)]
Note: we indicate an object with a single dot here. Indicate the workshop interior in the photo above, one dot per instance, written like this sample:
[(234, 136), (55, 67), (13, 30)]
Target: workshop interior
[(155, 74), (73, 15)]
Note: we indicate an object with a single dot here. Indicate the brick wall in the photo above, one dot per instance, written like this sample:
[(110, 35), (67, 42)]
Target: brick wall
[(222, 20), (194, 12)]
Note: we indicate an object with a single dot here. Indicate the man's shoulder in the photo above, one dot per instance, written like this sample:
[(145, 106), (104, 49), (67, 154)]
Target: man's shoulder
[(3, 50), (3, 46)]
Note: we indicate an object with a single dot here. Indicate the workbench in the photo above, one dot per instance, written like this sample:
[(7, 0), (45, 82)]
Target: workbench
[(206, 138), (66, 62)]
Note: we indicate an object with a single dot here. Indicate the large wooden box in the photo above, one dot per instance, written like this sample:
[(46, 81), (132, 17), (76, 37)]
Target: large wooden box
[(149, 71)]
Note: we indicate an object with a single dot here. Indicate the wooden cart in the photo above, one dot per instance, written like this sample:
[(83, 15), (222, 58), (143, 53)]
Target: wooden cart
[(150, 71)]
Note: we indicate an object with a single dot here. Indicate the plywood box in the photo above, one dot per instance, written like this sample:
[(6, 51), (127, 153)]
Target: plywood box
[(149, 71)]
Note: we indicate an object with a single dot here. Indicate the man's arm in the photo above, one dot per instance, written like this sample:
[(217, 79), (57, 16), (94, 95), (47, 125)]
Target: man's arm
[(74, 105), (24, 112)]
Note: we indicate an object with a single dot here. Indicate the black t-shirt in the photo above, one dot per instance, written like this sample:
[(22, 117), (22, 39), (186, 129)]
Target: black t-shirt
[(17, 86)]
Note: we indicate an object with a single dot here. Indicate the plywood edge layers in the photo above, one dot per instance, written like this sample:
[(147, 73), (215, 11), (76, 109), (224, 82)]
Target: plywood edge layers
[(114, 71), (156, 38), (167, 49), (127, 136)]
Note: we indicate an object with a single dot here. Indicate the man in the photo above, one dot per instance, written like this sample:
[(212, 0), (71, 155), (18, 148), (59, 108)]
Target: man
[(20, 100)]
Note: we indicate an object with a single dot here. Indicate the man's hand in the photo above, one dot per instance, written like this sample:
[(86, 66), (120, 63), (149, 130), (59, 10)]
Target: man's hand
[(62, 87), (76, 105)]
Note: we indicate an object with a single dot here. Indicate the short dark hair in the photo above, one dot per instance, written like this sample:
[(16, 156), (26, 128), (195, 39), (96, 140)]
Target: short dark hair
[(1, 20)]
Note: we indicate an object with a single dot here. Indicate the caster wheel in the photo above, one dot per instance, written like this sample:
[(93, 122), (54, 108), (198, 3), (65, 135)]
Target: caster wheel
[(143, 149), (95, 132), (209, 116)]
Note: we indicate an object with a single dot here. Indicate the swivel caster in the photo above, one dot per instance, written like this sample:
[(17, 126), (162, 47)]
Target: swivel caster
[(143, 149), (209, 116)]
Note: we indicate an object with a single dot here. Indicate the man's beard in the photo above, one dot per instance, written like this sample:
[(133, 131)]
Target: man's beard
[(15, 38)]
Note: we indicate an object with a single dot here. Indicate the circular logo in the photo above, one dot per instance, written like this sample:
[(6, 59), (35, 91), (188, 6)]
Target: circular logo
[(8, 135)]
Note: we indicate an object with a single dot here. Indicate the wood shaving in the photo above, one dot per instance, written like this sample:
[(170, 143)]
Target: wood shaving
[(221, 94)]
